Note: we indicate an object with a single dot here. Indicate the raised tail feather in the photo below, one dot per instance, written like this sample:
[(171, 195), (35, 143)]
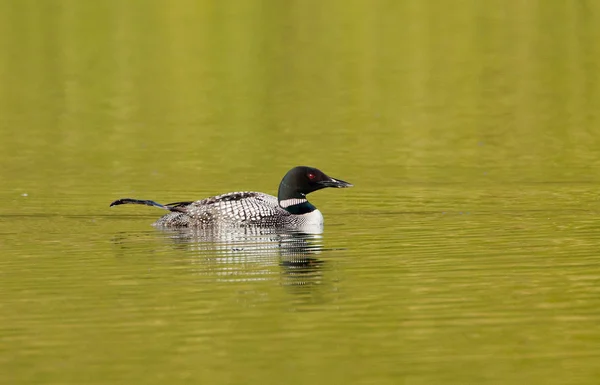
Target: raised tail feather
[(177, 207)]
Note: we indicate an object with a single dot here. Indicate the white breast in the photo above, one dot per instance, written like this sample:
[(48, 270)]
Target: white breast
[(311, 223)]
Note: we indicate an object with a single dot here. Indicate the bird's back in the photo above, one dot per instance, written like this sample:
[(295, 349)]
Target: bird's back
[(235, 208)]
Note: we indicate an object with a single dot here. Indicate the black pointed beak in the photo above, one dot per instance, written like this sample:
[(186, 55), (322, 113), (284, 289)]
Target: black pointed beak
[(331, 182)]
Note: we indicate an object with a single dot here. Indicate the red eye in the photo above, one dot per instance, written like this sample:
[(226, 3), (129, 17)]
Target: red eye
[(311, 176)]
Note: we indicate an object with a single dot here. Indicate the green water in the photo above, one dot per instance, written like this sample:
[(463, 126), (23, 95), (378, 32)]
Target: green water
[(466, 253)]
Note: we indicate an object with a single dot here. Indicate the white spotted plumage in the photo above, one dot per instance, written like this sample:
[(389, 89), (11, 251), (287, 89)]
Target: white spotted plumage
[(238, 208)]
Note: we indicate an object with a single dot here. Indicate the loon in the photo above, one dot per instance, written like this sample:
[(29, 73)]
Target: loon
[(289, 210)]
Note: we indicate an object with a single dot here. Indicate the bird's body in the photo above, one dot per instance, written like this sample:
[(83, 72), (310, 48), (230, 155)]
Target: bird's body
[(238, 208), (290, 209)]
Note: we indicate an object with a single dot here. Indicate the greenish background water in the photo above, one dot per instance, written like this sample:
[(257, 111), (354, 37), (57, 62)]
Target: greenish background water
[(467, 253)]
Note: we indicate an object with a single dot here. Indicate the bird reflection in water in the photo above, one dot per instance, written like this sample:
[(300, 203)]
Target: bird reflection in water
[(249, 253)]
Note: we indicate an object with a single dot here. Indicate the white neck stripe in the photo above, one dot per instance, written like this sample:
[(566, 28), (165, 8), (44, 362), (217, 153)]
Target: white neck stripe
[(290, 202)]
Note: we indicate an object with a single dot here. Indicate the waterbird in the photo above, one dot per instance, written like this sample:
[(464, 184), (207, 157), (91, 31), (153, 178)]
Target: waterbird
[(289, 210)]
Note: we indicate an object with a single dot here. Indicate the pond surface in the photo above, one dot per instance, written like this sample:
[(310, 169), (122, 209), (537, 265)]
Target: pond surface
[(466, 253)]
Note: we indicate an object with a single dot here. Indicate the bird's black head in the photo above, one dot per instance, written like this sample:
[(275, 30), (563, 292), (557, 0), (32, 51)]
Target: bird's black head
[(303, 180)]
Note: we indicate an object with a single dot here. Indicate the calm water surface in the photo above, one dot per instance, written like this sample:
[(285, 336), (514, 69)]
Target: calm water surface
[(466, 253)]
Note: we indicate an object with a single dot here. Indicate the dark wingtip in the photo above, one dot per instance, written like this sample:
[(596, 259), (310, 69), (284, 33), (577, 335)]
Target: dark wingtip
[(115, 203), (121, 201)]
